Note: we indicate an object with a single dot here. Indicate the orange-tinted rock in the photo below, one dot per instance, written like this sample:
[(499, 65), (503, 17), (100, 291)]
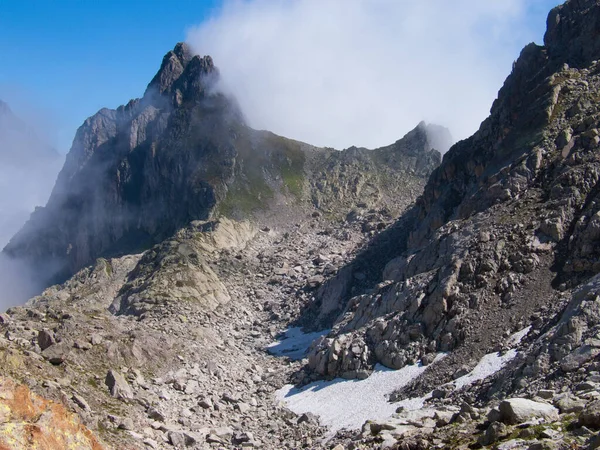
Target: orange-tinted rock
[(28, 421)]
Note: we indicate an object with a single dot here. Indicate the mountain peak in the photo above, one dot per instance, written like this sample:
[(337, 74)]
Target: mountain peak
[(438, 137), (183, 51), (137, 174), (180, 68)]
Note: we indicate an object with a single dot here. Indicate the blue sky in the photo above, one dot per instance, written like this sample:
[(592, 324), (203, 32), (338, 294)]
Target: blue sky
[(62, 60)]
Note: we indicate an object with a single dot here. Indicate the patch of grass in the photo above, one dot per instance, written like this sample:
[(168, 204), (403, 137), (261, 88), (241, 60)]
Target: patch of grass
[(557, 111), (294, 182), (106, 266), (289, 161), (241, 201), (262, 159)]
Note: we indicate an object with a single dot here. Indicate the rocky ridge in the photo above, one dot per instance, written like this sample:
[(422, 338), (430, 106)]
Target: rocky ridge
[(505, 218), (502, 240)]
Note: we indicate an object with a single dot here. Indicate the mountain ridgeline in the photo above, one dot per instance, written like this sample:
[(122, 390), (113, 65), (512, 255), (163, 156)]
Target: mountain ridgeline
[(182, 152)]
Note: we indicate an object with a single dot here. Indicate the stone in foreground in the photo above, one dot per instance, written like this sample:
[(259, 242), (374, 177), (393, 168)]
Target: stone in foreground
[(519, 410)]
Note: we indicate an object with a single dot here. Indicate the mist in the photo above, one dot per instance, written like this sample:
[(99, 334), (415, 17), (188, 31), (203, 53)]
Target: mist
[(28, 169), (364, 72), (18, 282)]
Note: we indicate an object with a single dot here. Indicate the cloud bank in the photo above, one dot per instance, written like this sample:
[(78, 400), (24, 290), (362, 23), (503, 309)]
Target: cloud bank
[(364, 72), (28, 170)]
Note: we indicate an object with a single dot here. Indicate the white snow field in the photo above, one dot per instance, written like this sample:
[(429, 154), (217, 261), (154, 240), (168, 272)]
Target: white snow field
[(492, 362), (348, 404)]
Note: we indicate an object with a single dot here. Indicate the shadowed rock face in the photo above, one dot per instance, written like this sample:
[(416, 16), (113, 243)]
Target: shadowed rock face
[(572, 33), (182, 152), (137, 172), (518, 119)]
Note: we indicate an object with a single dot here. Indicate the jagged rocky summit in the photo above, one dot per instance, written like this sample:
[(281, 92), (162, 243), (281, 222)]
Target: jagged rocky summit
[(182, 152)]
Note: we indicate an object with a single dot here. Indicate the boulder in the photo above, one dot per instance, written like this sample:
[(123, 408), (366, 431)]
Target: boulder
[(576, 359), (118, 386), (493, 433), (56, 354), (590, 416), (179, 439), (519, 410), (308, 418), (568, 403), (45, 339)]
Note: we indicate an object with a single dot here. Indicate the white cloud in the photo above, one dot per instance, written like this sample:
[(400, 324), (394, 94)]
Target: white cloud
[(28, 169), (364, 72), (17, 282)]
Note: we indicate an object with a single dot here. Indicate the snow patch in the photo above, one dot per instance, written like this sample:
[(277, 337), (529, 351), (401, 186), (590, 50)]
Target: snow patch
[(492, 362), (348, 404), (487, 366), (295, 344), (516, 338)]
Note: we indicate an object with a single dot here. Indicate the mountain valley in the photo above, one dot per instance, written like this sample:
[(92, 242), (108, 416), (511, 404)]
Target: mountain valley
[(208, 285)]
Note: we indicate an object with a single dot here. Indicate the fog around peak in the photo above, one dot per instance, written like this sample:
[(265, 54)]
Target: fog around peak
[(342, 73)]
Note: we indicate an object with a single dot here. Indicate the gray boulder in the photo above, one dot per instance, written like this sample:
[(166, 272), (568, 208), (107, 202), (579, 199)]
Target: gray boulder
[(45, 339), (519, 410), (590, 416), (118, 386)]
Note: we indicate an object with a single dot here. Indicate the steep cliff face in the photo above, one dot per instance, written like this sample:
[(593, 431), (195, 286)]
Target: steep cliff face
[(134, 174), (485, 168), (505, 223), (182, 152)]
